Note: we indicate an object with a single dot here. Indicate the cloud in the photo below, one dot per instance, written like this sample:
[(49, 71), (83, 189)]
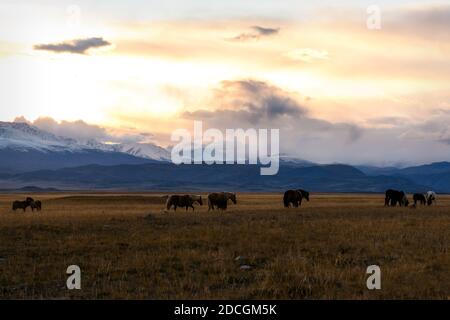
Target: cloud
[(307, 55), (257, 104), (251, 101), (78, 46), (389, 121), (431, 22), (256, 33), (83, 132), (265, 31), (390, 140)]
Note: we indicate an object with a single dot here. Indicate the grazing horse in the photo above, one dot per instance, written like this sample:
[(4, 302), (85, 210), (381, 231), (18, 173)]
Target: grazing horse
[(292, 196), (418, 197), (305, 194), (393, 197), (36, 205), (220, 200), (430, 196), (186, 201), (23, 204)]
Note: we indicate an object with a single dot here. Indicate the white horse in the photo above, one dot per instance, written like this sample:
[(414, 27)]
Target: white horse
[(430, 196)]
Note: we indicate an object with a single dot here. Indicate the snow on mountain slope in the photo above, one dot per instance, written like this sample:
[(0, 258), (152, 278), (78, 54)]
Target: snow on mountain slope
[(23, 137), (143, 150)]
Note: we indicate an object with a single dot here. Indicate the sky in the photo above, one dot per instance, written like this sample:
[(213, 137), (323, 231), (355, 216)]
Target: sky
[(359, 82)]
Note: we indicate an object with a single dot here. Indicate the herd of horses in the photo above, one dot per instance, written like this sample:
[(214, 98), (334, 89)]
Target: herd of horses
[(220, 200), (29, 202), (394, 197), (217, 200), (291, 198)]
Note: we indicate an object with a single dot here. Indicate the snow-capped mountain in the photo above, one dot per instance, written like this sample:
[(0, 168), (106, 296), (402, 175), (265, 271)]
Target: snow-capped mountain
[(23, 137), (24, 147)]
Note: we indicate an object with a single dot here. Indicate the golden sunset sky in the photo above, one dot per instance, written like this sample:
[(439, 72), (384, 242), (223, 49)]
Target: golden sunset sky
[(312, 68)]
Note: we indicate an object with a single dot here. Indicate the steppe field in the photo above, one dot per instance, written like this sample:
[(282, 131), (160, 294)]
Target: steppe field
[(128, 248)]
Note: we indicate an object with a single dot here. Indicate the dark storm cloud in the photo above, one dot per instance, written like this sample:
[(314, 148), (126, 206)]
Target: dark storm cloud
[(256, 104), (251, 101), (78, 46)]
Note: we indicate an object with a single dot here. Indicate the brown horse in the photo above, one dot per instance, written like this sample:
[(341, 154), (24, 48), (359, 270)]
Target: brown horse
[(293, 197), (220, 200), (185, 201)]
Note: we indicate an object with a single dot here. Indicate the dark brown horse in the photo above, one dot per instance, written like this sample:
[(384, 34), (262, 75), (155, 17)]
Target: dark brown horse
[(184, 201), (293, 197), (220, 200), (22, 204), (418, 197)]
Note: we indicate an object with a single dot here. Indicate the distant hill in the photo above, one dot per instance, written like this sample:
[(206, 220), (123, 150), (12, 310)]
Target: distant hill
[(435, 176), (164, 176), (32, 157)]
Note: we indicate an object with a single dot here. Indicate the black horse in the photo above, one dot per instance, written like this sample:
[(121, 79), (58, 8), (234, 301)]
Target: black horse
[(394, 196), (22, 204), (418, 197), (293, 197)]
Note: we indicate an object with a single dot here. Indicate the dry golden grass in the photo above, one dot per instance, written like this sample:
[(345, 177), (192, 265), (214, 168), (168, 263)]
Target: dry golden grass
[(128, 248)]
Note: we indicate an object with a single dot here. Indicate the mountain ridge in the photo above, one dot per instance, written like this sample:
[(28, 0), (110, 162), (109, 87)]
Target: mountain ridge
[(31, 156)]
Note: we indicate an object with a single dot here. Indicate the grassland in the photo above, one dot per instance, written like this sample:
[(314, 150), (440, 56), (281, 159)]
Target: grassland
[(128, 248)]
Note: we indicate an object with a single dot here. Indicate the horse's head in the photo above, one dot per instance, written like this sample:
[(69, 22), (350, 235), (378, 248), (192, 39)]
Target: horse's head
[(199, 200), (306, 195), (29, 200), (233, 197)]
